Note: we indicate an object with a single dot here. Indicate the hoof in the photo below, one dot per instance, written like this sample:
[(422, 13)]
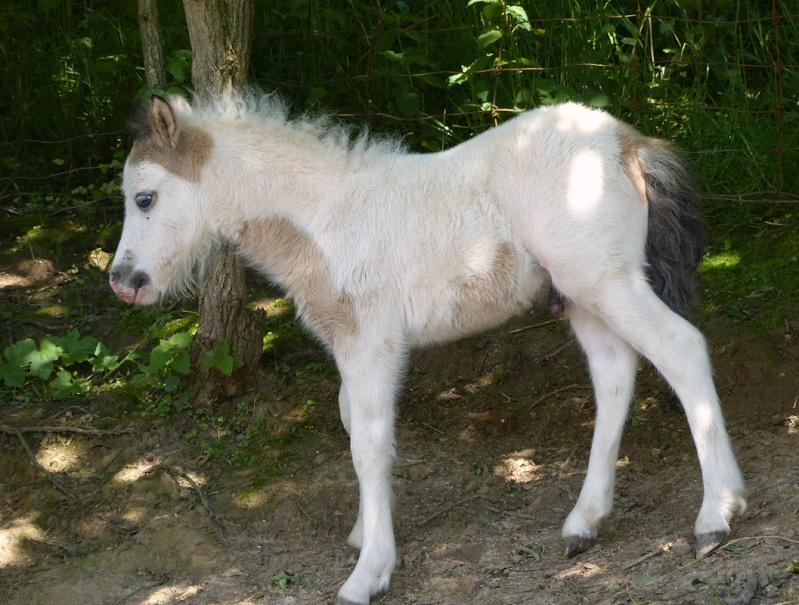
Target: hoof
[(576, 544), (707, 543)]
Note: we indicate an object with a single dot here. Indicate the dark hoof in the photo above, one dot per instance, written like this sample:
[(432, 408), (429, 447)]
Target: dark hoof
[(707, 543), (576, 544)]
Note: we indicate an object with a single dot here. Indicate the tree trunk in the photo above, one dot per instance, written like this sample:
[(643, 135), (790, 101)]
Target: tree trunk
[(220, 40), (154, 69)]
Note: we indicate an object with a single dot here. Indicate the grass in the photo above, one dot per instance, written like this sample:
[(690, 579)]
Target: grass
[(751, 269)]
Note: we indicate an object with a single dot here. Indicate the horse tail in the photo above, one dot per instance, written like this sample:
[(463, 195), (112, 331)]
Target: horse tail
[(675, 240)]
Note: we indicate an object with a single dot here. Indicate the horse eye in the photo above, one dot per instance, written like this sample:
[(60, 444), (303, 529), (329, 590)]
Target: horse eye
[(144, 200)]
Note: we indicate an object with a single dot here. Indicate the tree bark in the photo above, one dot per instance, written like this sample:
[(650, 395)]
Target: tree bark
[(152, 48), (219, 32)]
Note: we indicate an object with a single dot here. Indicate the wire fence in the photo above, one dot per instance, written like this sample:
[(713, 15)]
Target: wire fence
[(724, 86)]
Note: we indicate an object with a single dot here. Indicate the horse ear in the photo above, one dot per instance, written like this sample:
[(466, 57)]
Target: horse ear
[(163, 122)]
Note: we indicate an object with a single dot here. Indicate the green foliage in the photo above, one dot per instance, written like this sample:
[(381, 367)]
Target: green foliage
[(222, 360), (75, 366), (63, 366), (751, 270), (283, 580)]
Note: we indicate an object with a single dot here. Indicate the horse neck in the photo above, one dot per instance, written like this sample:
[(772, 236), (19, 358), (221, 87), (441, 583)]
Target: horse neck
[(263, 176)]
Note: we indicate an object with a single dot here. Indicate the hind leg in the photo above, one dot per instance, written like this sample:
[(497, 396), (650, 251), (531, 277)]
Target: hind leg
[(613, 364), (678, 351)]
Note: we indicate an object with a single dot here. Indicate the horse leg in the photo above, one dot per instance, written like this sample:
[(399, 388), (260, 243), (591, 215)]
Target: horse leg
[(613, 364), (678, 351), (355, 538), (370, 378)]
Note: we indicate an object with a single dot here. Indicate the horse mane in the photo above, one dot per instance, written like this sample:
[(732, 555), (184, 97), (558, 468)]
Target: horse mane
[(260, 109)]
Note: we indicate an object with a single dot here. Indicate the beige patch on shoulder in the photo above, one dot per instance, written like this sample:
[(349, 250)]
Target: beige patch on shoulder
[(630, 141), (186, 160), (296, 263)]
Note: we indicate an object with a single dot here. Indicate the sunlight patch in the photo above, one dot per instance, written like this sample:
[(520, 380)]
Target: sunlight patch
[(100, 259), (13, 536), (581, 570), (721, 260), (131, 473), (586, 182), (519, 468), (59, 457), (171, 594)]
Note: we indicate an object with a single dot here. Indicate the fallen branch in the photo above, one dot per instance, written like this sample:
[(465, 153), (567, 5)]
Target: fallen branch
[(11, 430)]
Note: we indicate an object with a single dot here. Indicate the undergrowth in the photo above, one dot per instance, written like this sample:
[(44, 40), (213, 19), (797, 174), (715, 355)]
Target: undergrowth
[(751, 269)]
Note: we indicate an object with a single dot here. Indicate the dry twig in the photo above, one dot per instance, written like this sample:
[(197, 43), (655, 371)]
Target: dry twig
[(535, 326), (177, 472)]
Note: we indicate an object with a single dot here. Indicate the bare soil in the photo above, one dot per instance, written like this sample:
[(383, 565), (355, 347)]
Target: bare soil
[(493, 438)]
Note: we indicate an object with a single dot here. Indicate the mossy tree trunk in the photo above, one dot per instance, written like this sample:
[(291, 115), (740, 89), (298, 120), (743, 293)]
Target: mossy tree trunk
[(219, 31)]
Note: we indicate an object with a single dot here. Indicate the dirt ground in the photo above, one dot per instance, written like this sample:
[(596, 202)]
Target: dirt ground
[(493, 439)]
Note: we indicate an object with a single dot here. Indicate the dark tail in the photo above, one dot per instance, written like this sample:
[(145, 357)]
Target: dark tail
[(676, 232)]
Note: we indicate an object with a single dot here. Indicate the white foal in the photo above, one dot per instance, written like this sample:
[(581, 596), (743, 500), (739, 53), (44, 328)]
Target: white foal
[(382, 251)]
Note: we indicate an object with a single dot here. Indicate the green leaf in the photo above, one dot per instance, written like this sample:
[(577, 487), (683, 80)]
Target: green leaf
[(66, 384), (182, 363), (41, 360), (284, 579), (408, 103), (76, 349), (18, 352), (519, 15), (315, 96), (488, 37), (102, 360), (12, 375)]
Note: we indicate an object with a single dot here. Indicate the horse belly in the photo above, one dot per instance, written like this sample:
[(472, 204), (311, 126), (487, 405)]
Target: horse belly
[(482, 301)]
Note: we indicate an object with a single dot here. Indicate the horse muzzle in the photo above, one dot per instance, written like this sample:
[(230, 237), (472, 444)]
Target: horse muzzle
[(133, 287)]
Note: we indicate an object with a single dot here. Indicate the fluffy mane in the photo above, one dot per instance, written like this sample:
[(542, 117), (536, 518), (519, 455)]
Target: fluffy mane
[(268, 111)]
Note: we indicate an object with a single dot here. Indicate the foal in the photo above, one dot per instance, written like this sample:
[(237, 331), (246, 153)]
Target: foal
[(383, 250)]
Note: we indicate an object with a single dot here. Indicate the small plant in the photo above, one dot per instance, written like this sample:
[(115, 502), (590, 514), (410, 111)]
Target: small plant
[(283, 580)]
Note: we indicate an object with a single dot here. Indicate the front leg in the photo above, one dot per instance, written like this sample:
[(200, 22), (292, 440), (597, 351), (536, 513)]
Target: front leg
[(370, 374)]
